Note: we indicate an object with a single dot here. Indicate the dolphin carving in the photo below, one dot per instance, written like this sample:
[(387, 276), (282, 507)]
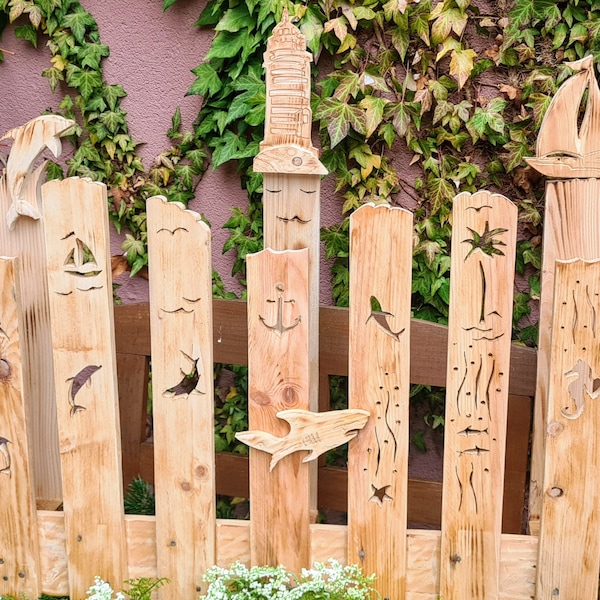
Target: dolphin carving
[(314, 432), (29, 141)]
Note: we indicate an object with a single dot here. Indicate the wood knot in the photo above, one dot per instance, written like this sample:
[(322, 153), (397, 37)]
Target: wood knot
[(555, 428), (260, 398), (555, 492), (185, 486), (201, 472), (290, 396)]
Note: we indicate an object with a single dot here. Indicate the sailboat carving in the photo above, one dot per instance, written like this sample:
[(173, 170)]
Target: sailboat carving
[(566, 148), (81, 262)]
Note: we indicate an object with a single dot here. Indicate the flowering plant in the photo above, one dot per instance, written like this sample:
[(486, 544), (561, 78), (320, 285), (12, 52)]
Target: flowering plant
[(330, 581), (139, 589)]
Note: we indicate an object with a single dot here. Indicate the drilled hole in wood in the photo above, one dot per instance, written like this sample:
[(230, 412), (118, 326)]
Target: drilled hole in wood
[(555, 492)]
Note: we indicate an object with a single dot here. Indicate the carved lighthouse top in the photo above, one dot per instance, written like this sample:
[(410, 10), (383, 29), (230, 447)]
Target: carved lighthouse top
[(569, 148), (287, 147)]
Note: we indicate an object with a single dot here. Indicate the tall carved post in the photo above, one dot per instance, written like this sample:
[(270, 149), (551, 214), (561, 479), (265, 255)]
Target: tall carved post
[(22, 235), (292, 171), (567, 152)]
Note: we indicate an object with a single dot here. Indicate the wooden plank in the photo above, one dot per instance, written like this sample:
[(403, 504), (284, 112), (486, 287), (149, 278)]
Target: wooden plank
[(19, 567), (483, 257), (569, 552), (517, 554), (81, 310), (571, 225), (22, 235), (278, 374), (182, 399), (428, 343), (380, 295), (132, 373)]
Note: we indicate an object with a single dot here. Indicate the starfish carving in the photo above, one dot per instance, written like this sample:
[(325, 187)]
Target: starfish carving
[(380, 494)]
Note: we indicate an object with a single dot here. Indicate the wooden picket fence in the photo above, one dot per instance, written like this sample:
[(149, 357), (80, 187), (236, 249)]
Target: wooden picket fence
[(61, 552)]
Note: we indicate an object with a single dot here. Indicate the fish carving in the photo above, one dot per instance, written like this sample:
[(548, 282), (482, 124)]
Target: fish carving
[(309, 431), (5, 460), (29, 141), (82, 378)]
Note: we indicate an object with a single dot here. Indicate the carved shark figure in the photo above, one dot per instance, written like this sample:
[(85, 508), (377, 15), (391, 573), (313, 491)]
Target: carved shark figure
[(29, 141), (313, 432)]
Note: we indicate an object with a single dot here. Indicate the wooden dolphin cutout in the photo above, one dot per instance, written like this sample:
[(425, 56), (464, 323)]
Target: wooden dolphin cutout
[(315, 432), (30, 140)]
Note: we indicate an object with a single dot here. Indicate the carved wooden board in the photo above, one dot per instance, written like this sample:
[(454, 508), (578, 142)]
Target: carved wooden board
[(571, 226), (81, 310), (569, 547), (22, 235), (182, 383), (479, 334), (19, 550), (278, 325), (379, 365)]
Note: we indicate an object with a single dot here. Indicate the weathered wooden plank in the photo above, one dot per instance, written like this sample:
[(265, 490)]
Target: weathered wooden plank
[(278, 326), (571, 226), (380, 295), (81, 310), (483, 257), (182, 400), (19, 568), (569, 552), (517, 554)]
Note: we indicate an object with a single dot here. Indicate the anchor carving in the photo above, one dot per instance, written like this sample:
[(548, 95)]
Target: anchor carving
[(279, 327)]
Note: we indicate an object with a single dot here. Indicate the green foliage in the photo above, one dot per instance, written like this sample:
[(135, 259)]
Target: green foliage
[(139, 498)]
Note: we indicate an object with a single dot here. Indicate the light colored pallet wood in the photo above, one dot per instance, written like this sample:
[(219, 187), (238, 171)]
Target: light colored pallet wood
[(479, 333), (22, 235), (569, 553), (182, 383), (278, 372), (571, 226), (380, 254), (517, 554), (81, 310), (19, 549)]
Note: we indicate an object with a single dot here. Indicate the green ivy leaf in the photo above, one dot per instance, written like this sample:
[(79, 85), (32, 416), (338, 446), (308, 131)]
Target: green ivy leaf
[(227, 45), (235, 19), (207, 81), (112, 93), (311, 27), (339, 116), (27, 32), (85, 81), (54, 75), (91, 54), (374, 108), (78, 22)]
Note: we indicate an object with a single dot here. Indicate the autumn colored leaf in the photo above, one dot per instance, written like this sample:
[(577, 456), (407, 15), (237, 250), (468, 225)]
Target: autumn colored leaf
[(461, 65), (374, 108), (339, 26)]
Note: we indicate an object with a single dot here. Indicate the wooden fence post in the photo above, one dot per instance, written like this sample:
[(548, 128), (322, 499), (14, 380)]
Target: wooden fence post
[(569, 542), (479, 337), (81, 311), (379, 367), (183, 403), (19, 548), (22, 235), (278, 365), (566, 150)]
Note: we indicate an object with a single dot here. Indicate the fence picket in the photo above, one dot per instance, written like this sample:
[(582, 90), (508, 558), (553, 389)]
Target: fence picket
[(20, 566), (569, 549), (479, 333), (183, 405), (81, 311), (278, 367), (379, 366)]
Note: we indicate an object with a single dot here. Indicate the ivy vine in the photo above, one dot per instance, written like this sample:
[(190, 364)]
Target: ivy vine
[(459, 91)]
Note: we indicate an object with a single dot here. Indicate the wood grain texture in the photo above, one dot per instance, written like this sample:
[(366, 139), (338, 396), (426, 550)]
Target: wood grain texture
[(183, 405), (479, 332), (569, 551), (26, 240), (81, 310), (287, 147), (571, 225), (278, 375), (567, 144), (517, 554), (19, 569), (381, 258)]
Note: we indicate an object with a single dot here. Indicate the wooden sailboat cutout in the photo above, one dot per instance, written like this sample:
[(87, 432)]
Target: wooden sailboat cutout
[(565, 148)]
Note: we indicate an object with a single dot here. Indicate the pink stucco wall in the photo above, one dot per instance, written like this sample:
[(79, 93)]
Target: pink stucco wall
[(151, 55)]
